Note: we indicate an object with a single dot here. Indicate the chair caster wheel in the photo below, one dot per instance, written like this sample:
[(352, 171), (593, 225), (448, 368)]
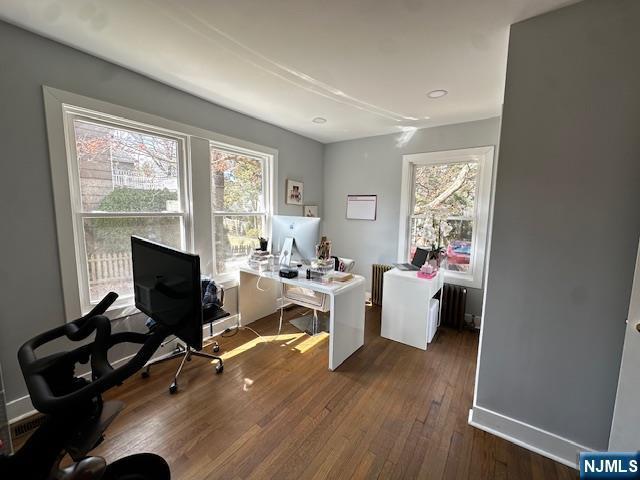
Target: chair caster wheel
[(145, 374), (173, 388), (219, 368), (216, 348)]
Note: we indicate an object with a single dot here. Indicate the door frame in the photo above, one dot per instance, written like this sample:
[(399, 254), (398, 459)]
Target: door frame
[(624, 406)]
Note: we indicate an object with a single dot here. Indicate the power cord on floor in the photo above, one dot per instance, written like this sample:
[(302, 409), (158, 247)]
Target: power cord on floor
[(252, 330), (235, 331), (227, 331)]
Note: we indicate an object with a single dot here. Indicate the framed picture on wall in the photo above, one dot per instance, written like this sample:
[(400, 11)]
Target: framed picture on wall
[(310, 211), (295, 194)]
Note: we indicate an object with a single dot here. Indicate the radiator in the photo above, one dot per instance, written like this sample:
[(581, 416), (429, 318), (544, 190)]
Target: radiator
[(377, 275), (454, 302)]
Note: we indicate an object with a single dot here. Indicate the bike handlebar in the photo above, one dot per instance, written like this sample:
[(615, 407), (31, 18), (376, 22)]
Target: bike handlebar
[(40, 373), (80, 329)]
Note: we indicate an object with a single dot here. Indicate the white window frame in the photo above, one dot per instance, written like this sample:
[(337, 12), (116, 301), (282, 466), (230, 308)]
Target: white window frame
[(484, 156), (196, 195), (72, 113), (268, 186)]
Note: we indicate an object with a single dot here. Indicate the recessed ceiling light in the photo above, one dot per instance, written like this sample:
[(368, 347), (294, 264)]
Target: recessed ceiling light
[(437, 93), (426, 117), (319, 120)]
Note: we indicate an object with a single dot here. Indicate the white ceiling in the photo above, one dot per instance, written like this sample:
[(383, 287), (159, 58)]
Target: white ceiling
[(364, 65)]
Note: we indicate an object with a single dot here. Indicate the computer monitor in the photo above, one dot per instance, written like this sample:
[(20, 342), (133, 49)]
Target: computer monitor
[(420, 257), (305, 232), (167, 288)]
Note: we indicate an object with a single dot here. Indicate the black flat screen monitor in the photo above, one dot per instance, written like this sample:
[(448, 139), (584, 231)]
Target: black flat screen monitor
[(167, 288)]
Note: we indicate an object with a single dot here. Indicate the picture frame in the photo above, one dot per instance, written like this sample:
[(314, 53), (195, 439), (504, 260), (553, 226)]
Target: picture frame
[(295, 192), (310, 211)]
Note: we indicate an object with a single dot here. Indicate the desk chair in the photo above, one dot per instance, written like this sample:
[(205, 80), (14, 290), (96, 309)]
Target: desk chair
[(318, 302), (211, 312)]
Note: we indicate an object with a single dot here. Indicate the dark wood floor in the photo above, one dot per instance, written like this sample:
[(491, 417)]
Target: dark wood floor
[(390, 411)]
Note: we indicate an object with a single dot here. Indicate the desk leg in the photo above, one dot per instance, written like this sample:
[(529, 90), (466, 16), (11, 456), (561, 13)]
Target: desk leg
[(253, 302), (440, 305), (346, 325)]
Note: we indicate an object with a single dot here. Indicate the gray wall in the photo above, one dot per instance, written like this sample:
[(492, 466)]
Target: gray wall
[(374, 166), (30, 293), (566, 222)]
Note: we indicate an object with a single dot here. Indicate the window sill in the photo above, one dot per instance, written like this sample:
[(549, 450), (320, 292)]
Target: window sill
[(119, 310), (227, 280), (462, 280), (127, 307)]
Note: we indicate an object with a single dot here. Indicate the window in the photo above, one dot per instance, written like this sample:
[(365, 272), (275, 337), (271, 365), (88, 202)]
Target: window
[(118, 172), (240, 204), (124, 181), (446, 198)]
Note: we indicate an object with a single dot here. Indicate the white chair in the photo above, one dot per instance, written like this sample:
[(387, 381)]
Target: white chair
[(317, 302)]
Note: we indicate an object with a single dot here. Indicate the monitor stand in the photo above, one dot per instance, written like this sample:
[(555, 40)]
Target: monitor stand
[(286, 251)]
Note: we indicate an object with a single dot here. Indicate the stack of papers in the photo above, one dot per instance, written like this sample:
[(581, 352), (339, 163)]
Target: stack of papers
[(338, 276)]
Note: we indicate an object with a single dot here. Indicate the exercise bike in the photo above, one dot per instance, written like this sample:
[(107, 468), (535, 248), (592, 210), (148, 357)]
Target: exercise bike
[(75, 414)]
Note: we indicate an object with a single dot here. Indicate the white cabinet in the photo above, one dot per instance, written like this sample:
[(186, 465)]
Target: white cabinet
[(406, 300)]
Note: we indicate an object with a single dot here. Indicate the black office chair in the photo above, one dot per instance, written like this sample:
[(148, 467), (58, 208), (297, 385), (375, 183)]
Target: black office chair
[(211, 311)]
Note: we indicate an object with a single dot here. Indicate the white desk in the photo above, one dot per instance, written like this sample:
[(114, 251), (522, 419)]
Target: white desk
[(405, 306), (346, 319)]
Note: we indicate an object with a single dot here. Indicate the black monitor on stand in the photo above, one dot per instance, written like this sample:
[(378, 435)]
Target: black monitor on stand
[(167, 288)]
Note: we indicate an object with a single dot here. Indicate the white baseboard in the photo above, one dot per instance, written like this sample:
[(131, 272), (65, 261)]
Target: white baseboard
[(21, 408), (221, 325), (532, 438)]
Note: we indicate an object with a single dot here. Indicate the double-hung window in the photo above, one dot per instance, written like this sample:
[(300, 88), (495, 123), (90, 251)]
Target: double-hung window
[(241, 204), (445, 203), (125, 180), (118, 172)]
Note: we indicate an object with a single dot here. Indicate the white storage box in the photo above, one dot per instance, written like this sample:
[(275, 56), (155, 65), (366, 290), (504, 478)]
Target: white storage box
[(433, 320)]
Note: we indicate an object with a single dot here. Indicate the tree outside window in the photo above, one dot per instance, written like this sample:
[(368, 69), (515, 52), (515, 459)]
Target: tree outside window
[(444, 210), (128, 185), (238, 197)]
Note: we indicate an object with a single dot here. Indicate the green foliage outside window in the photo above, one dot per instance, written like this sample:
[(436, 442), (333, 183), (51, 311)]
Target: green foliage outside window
[(137, 200), (112, 235)]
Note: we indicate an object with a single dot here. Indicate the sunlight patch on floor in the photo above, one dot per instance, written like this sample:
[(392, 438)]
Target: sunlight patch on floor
[(291, 341), (282, 340), (311, 342), (247, 384)]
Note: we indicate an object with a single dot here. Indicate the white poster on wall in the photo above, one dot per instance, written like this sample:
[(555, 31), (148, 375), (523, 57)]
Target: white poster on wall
[(362, 207)]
